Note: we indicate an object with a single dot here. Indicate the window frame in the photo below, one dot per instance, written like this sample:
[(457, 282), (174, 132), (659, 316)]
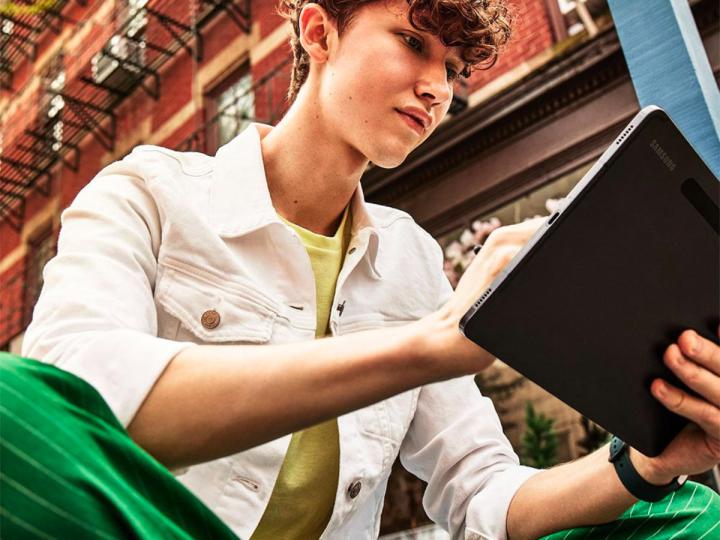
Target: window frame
[(211, 100)]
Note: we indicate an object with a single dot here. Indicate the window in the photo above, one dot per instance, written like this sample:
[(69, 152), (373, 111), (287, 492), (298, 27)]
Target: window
[(579, 15), (235, 109), (41, 248), (229, 109)]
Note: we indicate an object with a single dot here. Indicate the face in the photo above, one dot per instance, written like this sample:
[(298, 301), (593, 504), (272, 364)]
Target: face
[(385, 86)]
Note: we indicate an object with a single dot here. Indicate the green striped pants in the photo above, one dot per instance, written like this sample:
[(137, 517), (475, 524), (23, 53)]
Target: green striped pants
[(69, 470), (691, 513)]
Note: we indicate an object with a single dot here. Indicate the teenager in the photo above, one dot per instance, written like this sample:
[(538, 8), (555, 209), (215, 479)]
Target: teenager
[(188, 291)]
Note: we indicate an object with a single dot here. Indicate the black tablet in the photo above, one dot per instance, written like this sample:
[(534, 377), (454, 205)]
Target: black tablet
[(630, 260)]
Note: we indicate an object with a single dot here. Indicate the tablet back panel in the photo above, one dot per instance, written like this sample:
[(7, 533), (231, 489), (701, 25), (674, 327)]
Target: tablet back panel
[(630, 262)]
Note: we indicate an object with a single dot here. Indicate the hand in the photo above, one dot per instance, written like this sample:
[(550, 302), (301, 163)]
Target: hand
[(498, 250), (456, 354), (696, 361)]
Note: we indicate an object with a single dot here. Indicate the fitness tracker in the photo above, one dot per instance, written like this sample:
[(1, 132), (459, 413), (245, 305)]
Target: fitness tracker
[(631, 479)]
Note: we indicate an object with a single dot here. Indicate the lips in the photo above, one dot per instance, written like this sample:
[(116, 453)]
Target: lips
[(414, 120), (411, 123), (418, 114)]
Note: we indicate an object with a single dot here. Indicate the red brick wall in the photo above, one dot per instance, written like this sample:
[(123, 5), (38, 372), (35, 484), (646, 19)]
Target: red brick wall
[(175, 90), (264, 12), (74, 11), (71, 182), (36, 202), (11, 301), (180, 134), (9, 240), (532, 34), (270, 99), (98, 34)]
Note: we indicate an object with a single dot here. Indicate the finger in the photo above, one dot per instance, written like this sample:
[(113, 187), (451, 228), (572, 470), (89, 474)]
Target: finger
[(501, 257), (515, 233), (524, 230), (703, 413), (703, 381), (483, 269), (528, 224), (700, 350)]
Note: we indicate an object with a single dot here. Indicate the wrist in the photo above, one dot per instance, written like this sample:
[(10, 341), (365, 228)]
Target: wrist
[(647, 468), (435, 342)]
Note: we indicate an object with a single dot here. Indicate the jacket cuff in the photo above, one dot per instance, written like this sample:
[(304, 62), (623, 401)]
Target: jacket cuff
[(122, 365), (487, 512)]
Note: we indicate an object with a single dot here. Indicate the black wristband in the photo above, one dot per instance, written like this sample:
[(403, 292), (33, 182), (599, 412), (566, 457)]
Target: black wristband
[(631, 479)]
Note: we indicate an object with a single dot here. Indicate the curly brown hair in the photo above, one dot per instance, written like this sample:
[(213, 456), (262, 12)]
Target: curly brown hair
[(478, 27)]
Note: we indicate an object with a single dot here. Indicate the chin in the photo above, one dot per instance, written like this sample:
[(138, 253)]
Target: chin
[(387, 164), (388, 160)]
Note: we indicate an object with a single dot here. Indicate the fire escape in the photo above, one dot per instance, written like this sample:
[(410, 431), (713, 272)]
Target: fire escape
[(78, 91), (20, 29)]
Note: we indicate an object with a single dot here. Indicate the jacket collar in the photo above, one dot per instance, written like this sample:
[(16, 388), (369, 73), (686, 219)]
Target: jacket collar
[(240, 200)]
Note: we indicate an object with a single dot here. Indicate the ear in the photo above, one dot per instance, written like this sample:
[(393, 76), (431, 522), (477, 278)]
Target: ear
[(315, 28)]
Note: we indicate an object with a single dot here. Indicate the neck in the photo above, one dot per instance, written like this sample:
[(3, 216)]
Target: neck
[(311, 173)]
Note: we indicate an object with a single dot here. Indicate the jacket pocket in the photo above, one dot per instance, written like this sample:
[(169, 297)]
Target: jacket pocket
[(389, 420), (210, 311)]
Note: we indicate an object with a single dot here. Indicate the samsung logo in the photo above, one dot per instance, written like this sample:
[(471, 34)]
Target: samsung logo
[(669, 163)]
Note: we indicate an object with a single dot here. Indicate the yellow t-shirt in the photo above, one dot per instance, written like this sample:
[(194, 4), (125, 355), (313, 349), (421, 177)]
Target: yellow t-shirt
[(302, 500)]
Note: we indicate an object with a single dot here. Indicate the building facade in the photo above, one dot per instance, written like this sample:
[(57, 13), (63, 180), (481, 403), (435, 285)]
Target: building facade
[(82, 82)]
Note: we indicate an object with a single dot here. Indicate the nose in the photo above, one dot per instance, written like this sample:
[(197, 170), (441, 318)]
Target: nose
[(433, 88)]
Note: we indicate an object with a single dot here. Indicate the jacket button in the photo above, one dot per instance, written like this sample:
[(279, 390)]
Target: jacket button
[(354, 489), (210, 319), (352, 250)]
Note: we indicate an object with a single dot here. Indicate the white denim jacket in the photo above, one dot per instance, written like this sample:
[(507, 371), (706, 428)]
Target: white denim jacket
[(160, 238)]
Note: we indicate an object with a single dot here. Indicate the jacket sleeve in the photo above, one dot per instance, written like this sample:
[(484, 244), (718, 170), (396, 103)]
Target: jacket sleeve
[(96, 316), (456, 444)]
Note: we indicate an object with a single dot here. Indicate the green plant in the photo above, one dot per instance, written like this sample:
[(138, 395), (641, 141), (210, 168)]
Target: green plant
[(539, 443)]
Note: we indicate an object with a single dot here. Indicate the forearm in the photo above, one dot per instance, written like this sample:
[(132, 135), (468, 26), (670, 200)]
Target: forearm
[(213, 401), (583, 492)]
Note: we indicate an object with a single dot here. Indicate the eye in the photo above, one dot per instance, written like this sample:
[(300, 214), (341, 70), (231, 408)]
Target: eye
[(452, 75), (413, 42), (417, 44)]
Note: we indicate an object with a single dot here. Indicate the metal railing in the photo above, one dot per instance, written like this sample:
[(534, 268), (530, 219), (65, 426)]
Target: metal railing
[(48, 126), (21, 26)]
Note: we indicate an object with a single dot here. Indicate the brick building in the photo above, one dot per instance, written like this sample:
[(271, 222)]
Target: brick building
[(83, 82)]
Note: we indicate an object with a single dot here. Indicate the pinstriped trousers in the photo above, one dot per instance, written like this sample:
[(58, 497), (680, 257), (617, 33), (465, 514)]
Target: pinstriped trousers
[(68, 469)]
